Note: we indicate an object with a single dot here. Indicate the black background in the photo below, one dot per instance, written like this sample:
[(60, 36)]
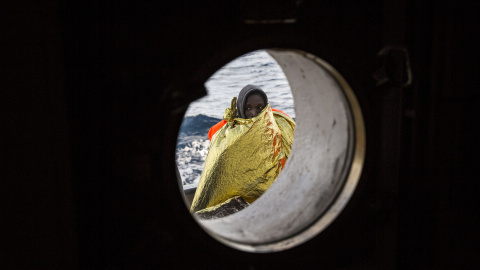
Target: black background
[(93, 94)]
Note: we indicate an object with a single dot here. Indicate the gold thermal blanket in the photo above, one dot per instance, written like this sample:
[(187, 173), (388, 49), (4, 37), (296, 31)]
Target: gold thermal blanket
[(244, 158)]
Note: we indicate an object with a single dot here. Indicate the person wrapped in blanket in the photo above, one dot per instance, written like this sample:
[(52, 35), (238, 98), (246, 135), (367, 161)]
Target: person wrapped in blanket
[(248, 150)]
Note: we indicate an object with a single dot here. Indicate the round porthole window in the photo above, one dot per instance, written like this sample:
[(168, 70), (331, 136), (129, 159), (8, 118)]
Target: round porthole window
[(323, 167)]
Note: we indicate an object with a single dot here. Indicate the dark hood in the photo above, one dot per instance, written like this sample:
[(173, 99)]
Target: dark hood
[(242, 98)]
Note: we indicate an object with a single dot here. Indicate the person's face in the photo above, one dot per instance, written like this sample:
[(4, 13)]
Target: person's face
[(254, 105)]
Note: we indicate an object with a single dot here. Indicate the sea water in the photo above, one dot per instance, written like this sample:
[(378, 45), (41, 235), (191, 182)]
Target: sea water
[(257, 68)]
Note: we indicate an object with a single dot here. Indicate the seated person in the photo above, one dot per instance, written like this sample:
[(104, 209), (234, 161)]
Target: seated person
[(248, 150)]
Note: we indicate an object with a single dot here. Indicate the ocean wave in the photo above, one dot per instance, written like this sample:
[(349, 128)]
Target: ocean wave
[(197, 125), (192, 146), (190, 160)]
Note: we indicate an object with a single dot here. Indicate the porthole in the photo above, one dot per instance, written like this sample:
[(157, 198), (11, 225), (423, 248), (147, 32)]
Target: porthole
[(323, 169)]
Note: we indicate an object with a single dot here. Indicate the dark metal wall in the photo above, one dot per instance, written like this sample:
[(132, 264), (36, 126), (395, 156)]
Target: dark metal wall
[(93, 95)]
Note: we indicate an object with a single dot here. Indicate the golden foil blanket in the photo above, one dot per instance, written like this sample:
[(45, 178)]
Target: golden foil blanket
[(244, 159)]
